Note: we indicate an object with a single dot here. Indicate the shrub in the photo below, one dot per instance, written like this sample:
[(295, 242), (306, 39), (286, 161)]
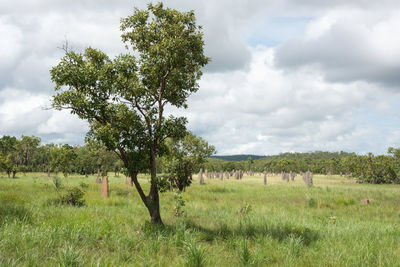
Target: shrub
[(57, 183), (84, 185), (73, 197), (179, 203), (312, 203)]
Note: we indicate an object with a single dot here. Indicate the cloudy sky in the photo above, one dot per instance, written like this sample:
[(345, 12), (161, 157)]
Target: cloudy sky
[(286, 75)]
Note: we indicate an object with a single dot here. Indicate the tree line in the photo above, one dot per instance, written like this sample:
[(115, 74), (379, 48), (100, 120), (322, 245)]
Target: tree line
[(186, 156), (26, 154), (365, 168)]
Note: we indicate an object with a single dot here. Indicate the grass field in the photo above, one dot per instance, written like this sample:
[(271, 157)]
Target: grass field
[(225, 223)]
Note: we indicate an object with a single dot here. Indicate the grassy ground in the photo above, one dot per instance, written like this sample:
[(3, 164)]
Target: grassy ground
[(226, 223)]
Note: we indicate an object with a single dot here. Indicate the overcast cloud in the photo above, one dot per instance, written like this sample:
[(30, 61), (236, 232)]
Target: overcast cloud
[(289, 75)]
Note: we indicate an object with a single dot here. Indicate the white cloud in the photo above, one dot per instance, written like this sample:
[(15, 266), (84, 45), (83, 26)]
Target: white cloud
[(348, 45), (20, 111), (328, 86), (26, 113), (10, 41), (63, 122), (265, 110)]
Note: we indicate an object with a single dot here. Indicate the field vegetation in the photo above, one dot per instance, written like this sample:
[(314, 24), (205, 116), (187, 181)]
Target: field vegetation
[(220, 223)]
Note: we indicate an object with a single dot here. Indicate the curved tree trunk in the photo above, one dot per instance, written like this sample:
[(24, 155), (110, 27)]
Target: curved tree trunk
[(151, 201)]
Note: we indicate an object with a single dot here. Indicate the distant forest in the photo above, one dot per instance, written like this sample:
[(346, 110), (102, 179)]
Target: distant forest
[(27, 154), (287, 155), (365, 168), (238, 157)]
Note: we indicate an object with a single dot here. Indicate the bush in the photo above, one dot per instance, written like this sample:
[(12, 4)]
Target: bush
[(179, 203), (84, 185), (312, 203), (73, 197), (57, 183)]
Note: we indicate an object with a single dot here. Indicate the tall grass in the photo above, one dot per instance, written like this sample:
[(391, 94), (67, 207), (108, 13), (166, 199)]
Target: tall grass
[(230, 222)]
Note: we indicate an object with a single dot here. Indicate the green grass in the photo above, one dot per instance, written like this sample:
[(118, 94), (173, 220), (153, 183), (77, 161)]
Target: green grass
[(225, 223)]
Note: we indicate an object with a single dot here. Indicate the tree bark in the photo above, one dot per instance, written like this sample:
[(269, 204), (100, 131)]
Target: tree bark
[(151, 201), (153, 197), (154, 205), (265, 178), (180, 187), (98, 180)]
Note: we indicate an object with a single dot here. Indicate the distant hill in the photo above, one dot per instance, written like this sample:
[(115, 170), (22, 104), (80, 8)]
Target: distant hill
[(238, 157)]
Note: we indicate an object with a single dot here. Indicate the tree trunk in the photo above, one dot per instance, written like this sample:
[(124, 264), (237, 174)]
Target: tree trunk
[(180, 187), (48, 172), (153, 199), (8, 173), (98, 180), (201, 176), (154, 205), (13, 174), (265, 178)]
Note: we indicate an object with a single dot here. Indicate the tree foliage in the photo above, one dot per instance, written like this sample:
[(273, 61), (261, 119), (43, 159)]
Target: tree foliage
[(124, 98), (185, 156), (86, 159)]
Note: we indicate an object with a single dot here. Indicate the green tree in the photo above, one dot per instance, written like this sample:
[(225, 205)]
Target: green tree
[(98, 157), (8, 148), (8, 144), (185, 156), (9, 166), (2, 163), (63, 159), (41, 159), (250, 162), (26, 149), (86, 162), (124, 99), (395, 152)]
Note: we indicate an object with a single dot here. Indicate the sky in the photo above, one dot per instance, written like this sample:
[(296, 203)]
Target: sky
[(285, 76)]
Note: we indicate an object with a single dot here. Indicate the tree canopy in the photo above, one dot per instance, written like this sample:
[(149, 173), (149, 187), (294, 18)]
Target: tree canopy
[(124, 98)]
